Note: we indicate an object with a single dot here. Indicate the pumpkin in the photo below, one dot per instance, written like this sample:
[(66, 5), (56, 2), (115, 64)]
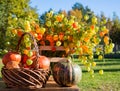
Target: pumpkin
[(11, 56), (66, 73), (12, 65), (44, 62)]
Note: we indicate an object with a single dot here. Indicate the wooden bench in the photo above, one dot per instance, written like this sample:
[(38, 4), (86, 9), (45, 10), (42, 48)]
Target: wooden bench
[(49, 48)]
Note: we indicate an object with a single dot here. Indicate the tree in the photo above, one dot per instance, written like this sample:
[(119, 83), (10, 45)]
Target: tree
[(42, 17), (88, 11), (78, 6), (79, 11), (109, 24), (115, 31), (13, 15)]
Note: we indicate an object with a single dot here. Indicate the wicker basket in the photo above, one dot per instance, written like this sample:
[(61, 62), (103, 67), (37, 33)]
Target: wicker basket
[(25, 77)]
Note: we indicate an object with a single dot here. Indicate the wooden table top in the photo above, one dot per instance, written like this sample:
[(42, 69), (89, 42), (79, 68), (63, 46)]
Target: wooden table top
[(50, 86)]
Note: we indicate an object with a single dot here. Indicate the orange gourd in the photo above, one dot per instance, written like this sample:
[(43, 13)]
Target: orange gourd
[(11, 56)]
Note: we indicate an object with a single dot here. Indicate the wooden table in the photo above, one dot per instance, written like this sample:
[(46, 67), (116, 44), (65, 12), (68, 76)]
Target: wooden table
[(50, 86)]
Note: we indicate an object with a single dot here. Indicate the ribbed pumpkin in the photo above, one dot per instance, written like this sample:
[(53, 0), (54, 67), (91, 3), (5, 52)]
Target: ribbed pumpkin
[(66, 74)]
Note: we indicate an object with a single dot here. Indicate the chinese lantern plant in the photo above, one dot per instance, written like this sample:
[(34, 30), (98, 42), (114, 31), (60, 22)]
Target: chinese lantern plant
[(13, 33), (29, 56), (80, 38)]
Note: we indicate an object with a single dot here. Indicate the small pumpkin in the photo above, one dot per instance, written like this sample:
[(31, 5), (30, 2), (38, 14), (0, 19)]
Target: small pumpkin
[(44, 62), (11, 56), (66, 73), (12, 65)]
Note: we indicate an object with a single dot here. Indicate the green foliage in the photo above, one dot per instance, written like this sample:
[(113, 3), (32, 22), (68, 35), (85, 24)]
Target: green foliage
[(78, 6), (13, 15), (115, 31)]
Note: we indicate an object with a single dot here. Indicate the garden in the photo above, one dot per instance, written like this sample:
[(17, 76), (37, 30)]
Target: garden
[(79, 36)]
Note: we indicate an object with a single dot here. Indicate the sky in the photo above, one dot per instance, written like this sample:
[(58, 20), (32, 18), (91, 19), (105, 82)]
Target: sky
[(97, 6)]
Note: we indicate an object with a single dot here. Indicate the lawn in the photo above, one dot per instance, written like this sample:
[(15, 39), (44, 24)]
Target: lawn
[(0, 66), (109, 81)]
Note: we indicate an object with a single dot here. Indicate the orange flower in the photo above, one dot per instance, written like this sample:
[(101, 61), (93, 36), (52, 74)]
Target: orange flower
[(25, 51), (39, 37), (106, 31), (58, 18), (49, 38), (37, 30), (14, 31), (55, 37), (61, 36), (42, 42), (34, 34), (85, 48), (92, 27), (106, 40), (19, 33), (86, 39), (102, 34)]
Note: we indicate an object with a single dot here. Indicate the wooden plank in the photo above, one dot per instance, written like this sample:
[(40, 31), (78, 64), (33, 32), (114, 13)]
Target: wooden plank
[(49, 48), (44, 89), (58, 48), (50, 86), (57, 59)]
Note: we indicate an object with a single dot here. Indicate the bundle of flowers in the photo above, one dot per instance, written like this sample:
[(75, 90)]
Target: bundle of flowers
[(84, 38)]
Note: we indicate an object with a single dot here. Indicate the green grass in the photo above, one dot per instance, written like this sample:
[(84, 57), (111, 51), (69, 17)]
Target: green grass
[(0, 66), (106, 68), (107, 65), (109, 81)]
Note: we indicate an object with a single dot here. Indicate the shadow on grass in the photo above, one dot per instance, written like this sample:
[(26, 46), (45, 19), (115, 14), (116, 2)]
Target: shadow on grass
[(0, 78), (2, 84)]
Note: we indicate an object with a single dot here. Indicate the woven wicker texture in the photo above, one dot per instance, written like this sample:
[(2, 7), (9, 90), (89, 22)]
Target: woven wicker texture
[(25, 77)]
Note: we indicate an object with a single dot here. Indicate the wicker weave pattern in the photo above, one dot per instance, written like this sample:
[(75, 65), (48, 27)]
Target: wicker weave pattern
[(25, 77)]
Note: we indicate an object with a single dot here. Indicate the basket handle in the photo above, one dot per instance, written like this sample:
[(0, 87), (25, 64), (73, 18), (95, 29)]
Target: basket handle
[(36, 65)]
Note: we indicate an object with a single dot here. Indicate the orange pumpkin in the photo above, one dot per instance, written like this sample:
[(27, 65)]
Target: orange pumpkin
[(11, 56), (12, 65), (44, 62)]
